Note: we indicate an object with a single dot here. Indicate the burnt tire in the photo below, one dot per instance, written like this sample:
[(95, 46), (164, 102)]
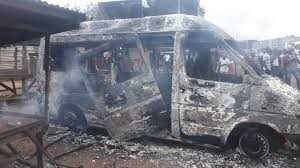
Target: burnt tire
[(255, 144), (73, 118)]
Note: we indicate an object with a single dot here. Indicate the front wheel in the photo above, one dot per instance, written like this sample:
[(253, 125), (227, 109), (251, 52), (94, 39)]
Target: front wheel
[(255, 144), (72, 118)]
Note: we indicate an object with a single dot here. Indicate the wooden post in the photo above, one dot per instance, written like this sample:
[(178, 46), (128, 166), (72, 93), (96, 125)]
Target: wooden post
[(24, 69), (39, 151), (14, 87), (47, 74), (33, 64), (16, 69), (16, 58), (44, 54), (178, 65)]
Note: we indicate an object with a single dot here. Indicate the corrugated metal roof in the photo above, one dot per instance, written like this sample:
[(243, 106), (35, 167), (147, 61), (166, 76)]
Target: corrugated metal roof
[(34, 18), (50, 7)]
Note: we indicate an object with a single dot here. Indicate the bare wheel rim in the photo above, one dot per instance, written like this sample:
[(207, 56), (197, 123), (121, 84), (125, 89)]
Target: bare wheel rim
[(254, 144), (71, 120)]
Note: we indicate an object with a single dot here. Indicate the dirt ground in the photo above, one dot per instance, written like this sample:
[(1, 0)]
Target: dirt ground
[(99, 151)]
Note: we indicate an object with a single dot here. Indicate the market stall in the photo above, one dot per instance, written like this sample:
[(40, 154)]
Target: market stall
[(29, 20)]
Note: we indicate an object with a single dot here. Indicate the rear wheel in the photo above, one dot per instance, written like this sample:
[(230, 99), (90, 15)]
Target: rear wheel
[(73, 118), (255, 144)]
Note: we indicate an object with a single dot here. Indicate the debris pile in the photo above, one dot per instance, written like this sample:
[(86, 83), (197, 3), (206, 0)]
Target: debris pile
[(153, 151)]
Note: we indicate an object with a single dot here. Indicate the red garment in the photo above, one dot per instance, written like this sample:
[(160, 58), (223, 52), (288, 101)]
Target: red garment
[(284, 61), (126, 65), (231, 69)]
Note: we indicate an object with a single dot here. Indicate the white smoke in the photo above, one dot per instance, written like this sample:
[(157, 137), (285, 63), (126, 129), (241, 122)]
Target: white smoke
[(255, 19)]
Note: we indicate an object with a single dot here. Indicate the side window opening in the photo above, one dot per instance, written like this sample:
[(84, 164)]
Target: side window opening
[(209, 60), (160, 49), (115, 64), (199, 63), (227, 70), (128, 63)]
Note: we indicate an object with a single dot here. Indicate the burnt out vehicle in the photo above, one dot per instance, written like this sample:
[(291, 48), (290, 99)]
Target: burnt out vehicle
[(175, 77)]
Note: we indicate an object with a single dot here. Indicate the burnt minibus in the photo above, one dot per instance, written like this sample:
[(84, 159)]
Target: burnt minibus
[(174, 77)]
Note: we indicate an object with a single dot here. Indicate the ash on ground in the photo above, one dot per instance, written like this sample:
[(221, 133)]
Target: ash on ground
[(104, 152)]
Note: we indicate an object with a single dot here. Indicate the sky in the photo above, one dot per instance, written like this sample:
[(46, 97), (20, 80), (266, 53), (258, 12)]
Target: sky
[(243, 19)]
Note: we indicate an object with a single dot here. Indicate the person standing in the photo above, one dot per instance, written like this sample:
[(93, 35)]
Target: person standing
[(224, 63), (256, 61), (283, 60), (276, 69), (293, 74), (266, 60)]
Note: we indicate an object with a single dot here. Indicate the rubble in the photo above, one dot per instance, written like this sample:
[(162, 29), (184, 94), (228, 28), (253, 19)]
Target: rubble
[(155, 152)]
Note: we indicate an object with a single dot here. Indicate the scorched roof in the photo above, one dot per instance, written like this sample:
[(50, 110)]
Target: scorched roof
[(103, 30), (27, 19)]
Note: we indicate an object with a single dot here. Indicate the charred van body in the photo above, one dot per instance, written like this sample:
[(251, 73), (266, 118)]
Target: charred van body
[(179, 77)]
